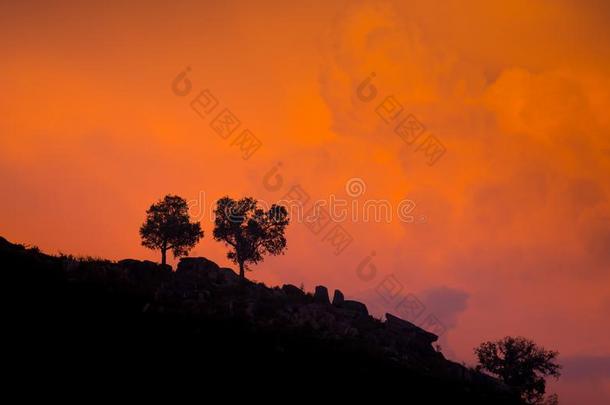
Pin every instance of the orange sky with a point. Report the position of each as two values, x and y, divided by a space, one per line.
517 232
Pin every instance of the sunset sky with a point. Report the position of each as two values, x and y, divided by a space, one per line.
512 235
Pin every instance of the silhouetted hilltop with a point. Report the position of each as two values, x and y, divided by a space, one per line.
138 317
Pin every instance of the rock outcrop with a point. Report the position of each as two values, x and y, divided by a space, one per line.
395 324
338 298
356 307
204 310
321 295
293 291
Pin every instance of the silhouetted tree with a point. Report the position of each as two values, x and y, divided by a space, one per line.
168 227
250 231
521 364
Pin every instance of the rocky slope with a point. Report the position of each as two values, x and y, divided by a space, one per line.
139 317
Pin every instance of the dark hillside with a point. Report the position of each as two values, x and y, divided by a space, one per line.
92 319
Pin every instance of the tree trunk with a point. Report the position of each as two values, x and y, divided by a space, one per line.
242 274
163 256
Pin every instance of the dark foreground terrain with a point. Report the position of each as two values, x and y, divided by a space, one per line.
100 323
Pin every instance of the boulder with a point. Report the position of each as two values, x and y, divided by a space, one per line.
138 264
196 264
321 295
355 306
229 272
128 262
458 371
338 298
142 274
292 290
197 271
140 268
396 324
227 276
